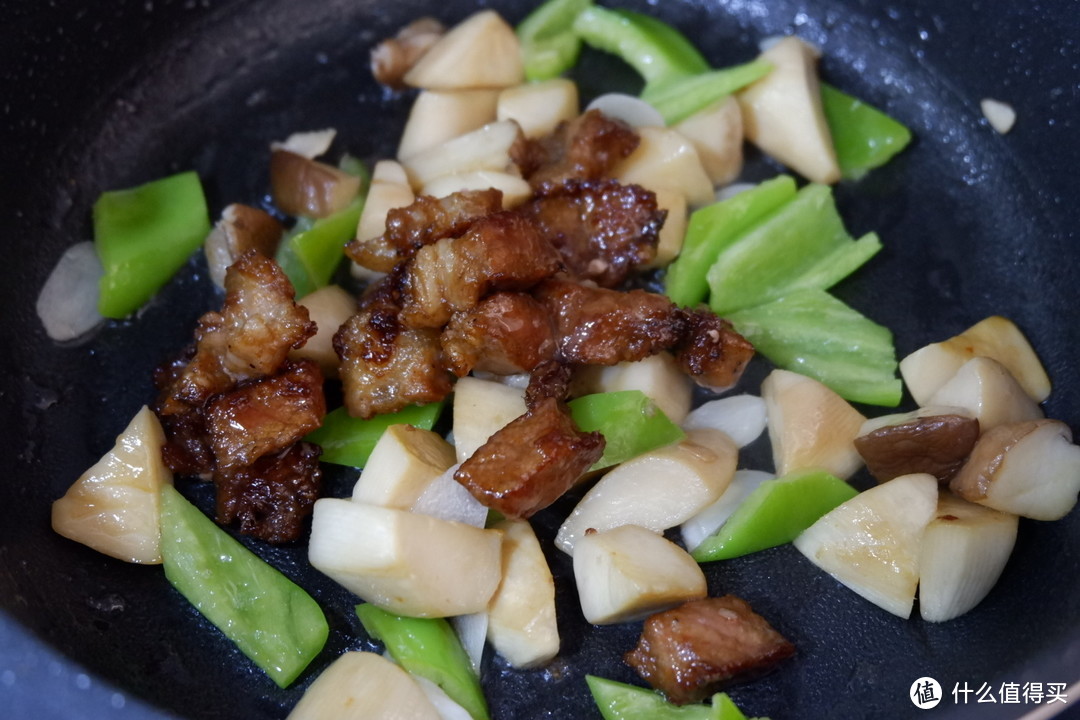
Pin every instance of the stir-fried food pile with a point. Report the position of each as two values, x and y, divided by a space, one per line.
501 263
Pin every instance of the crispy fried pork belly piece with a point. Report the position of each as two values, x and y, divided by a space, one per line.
596 326
425 221
711 352
392 58
585 148
502 251
187 447
265 416
199 375
505 333
548 380
602 229
531 462
260 319
693 650
271 498
250 338
386 366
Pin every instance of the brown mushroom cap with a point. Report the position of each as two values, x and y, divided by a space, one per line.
936 444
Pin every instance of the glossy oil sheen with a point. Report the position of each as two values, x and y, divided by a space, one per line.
98 96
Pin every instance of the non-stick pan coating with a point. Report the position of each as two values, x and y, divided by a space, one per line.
106 95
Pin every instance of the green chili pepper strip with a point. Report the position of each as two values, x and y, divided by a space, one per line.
679 98
715 227
630 422
273 621
429 648
549 45
346 440
143 235
310 257
775 513
814 333
864 137
655 49
619 701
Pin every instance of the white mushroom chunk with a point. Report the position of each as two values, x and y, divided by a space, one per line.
628 573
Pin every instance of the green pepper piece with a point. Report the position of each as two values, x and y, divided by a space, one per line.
680 97
775 513
653 48
813 333
549 45
715 227
782 253
273 621
311 253
619 701
864 137
428 648
143 235
346 440
630 422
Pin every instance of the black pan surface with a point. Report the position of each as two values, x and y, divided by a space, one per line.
101 96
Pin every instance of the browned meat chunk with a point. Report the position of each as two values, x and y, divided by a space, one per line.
265 416
385 366
693 650
531 462
423 222
187 447
603 230
595 326
272 497
190 382
503 251
711 352
261 321
585 148
548 380
505 333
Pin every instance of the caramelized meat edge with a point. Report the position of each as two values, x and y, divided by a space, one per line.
691 651
531 462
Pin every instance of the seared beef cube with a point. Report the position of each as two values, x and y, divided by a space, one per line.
595 326
691 651
602 229
711 352
271 497
531 462
505 333
386 367
503 251
585 148
265 416
423 222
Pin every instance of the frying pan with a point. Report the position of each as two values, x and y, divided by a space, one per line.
107 95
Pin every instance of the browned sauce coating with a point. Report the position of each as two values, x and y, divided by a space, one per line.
585 148
693 650
421 223
531 462
602 230
270 498
595 326
505 333
265 416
